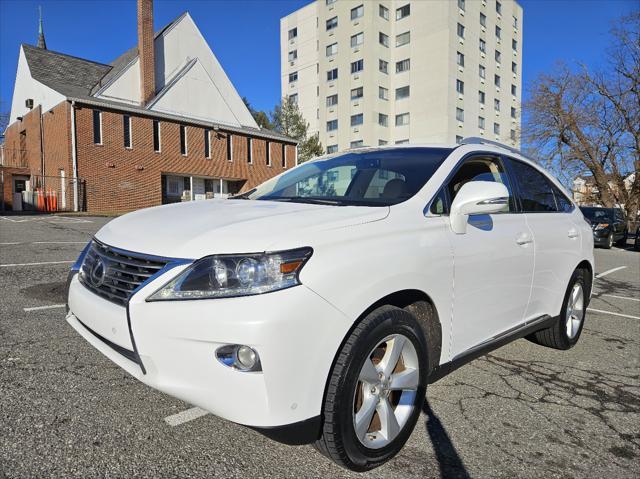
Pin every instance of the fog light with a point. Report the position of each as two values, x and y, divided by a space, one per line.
240 357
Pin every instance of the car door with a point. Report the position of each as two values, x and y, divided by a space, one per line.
493 263
619 224
556 237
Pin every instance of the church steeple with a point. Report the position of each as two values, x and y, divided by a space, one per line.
41 41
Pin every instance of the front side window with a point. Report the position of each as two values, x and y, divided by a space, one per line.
536 192
372 178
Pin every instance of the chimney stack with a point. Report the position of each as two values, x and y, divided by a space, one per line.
146 51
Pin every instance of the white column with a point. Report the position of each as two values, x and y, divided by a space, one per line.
191 187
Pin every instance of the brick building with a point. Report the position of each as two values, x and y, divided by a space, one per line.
160 124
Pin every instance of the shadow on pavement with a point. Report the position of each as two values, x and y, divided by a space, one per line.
450 463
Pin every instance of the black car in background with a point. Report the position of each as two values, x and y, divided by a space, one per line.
608 224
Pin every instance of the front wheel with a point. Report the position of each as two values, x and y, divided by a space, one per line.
609 242
375 390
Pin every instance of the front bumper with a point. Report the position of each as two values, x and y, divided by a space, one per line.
295 331
600 238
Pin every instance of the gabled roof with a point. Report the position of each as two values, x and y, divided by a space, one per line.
65 74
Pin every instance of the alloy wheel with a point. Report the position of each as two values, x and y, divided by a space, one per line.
575 311
385 393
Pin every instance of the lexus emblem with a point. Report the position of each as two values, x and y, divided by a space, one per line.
98 273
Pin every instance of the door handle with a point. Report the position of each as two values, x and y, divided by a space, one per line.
573 233
523 239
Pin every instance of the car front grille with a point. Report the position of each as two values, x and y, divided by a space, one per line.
114 274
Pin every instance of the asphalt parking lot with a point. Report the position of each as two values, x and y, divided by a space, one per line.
521 411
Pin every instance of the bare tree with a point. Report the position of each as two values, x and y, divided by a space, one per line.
588 122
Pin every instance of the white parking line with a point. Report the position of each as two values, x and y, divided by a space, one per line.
44 242
615 296
185 416
609 271
35 264
6 244
40 308
612 313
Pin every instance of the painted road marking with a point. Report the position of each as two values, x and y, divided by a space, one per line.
63 219
612 313
35 264
609 271
615 296
44 242
7 244
185 416
40 308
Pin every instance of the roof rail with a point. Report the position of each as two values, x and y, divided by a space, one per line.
476 140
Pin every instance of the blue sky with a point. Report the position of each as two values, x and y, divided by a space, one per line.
244 34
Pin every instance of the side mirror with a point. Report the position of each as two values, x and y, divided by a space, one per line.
477 198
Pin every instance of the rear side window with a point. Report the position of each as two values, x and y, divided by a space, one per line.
536 192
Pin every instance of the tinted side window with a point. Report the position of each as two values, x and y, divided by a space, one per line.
564 205
536 193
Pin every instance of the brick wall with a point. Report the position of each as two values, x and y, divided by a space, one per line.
24 150
118 179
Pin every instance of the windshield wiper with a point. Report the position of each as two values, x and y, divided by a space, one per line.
305 199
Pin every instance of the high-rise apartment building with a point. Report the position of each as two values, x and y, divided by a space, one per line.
367 72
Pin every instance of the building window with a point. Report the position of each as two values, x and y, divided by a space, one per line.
460 59
498 32
496 80
483 46
514 67
481 97
293 76
513 112
514 45
496 128
402 12
498 56
459 114
496 104
514 90
383 66
126 126
207 143
498 8
402 142
357 66
512 135
229 148
383 39
332 100
332 125
329 2
459 139
293 33
460 30
357 40
332 23
402 92
332 49
402 119
403 39
357 119
515 22
383 93
183 140
383 120
460 86
293 98
357 12
461 5
483 19
332 149
97 127
249 150
357 93
382 142
482 71
481 123
332 74
156 136
383 12
356 144
293 55
403 66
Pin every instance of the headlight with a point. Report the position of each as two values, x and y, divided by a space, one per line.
602 226
224 276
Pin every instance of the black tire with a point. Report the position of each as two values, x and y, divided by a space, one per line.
622 242
609 242
556 336
338 440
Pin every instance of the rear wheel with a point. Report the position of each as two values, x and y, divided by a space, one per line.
375 390
566 331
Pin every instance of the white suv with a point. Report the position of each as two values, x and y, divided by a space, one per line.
318 306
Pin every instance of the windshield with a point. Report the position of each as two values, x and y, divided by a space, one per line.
368 178
597 215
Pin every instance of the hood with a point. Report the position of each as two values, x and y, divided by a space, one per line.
200 228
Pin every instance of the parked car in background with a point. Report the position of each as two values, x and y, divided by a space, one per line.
609 225
636 243
318 306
